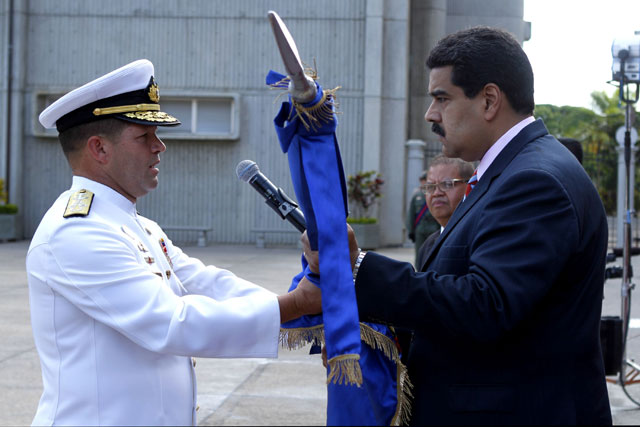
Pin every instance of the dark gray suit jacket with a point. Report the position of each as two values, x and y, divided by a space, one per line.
426 248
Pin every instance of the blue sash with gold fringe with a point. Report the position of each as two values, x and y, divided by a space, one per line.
367 384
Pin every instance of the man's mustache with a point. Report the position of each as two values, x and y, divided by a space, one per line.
437 129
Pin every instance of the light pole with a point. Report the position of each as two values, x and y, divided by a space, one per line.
626 71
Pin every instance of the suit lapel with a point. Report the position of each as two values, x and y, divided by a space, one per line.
526 135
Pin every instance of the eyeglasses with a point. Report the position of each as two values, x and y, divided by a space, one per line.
444 186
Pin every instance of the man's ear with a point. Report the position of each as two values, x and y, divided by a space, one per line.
99 148
493 99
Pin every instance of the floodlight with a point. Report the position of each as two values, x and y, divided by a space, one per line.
626 59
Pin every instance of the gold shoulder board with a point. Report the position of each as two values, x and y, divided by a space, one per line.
79 204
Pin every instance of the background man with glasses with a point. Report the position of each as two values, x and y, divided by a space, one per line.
420 223
444 188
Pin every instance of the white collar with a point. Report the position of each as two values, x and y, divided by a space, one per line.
499 145
104 193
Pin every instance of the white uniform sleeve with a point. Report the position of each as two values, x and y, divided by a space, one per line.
99 271
209 280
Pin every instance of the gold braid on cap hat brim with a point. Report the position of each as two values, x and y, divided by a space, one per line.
126 109
151 116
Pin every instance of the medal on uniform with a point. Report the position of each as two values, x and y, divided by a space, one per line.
163 245
141 247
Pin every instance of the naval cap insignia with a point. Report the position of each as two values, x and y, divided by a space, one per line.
154 92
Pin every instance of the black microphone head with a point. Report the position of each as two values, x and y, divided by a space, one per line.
246 170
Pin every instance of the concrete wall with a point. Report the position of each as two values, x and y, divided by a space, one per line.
221 46
373 49
4 42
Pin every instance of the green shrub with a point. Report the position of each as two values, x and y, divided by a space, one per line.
365 220
8 209
363 190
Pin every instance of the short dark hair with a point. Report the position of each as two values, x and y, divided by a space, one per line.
465 169
482 55
574 146
73 138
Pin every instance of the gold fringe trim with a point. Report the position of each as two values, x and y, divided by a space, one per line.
404 396
379 341
322 112
298 337
345 369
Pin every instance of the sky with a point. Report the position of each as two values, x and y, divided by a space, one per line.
570 46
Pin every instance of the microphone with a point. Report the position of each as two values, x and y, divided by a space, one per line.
248 171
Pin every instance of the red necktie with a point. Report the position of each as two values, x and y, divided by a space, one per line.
471 183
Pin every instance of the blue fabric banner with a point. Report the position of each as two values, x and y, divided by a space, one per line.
378 389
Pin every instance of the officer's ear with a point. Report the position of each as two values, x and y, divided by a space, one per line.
99 148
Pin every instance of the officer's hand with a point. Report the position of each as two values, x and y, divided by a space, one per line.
309 297
305 299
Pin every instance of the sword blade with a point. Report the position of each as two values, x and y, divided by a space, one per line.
301 87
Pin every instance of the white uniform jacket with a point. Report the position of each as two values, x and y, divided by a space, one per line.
117 311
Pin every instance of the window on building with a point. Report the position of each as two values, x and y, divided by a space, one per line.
206 116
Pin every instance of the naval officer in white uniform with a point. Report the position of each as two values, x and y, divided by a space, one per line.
117 310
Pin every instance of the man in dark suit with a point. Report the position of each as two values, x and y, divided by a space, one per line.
574 146
506 309
419 222
443 187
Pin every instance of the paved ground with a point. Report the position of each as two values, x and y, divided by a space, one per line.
289 390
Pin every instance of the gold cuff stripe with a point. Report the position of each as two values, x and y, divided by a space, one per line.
126 109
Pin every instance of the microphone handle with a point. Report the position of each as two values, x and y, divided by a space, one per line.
277 200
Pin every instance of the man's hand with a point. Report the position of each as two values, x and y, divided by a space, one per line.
305 299
312 256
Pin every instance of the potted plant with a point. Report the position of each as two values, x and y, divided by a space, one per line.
9 218
363 191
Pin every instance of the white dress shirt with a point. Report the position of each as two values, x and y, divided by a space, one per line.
117 311
499 145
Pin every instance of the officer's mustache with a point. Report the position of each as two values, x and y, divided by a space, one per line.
437 129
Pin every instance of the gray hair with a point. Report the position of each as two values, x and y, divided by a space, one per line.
465 169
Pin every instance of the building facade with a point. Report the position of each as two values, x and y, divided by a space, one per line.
211 59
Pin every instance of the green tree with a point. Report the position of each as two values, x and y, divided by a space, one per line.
595 129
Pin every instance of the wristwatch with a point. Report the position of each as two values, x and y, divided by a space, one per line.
356 267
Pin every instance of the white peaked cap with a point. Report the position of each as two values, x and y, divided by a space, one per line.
128 93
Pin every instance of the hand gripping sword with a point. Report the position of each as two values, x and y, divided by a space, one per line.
301 87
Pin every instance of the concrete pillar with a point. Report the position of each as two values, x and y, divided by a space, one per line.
385 109
506 14
427 25
4 85
374 29
17 113
415 166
